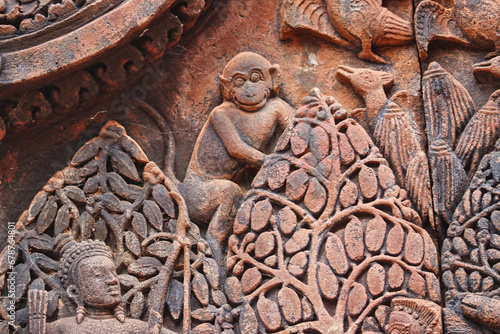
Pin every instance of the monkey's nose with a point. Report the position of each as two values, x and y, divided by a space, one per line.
250 93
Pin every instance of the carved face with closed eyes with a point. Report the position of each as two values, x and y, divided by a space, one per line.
249 80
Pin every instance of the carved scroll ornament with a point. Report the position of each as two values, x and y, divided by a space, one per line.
51 64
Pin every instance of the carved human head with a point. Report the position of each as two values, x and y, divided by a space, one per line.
249 80
88 273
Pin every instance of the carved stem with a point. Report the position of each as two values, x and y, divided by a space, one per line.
316 326
358 270
287 279
186 317
306 215
481 214
333 194
374 303
156 312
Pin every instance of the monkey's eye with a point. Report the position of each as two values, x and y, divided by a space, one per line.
255 77
239 82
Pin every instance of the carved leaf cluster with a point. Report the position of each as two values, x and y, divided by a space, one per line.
326 228
111 192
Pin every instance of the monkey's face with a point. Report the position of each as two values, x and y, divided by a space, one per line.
251 89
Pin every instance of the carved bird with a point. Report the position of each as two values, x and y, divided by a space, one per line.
394 133
368 23
472 23
353 24
480 134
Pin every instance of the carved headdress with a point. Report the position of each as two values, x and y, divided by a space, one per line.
73 252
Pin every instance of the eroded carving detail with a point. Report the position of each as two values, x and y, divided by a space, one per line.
411 316
103 75
25 16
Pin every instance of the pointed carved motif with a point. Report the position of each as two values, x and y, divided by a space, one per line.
458 136
113 201
327 242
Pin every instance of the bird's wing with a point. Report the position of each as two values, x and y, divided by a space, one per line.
309 17
435 22
480 135
448 105
418 185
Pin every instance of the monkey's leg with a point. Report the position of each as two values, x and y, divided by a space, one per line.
228 197
367 52
213 203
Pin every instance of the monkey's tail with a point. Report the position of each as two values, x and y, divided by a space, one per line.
168 136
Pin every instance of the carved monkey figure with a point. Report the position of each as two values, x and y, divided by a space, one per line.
235 135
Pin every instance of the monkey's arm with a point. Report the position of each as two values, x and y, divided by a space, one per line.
236 147
285 112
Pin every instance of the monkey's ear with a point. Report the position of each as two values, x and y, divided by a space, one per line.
224 87
274 70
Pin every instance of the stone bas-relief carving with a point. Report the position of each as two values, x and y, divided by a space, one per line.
394 131
52 81
458 136
236 134
325 241
380 219
351 24
469 23
157 251
88 273
471 254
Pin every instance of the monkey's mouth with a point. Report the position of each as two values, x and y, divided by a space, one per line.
250 105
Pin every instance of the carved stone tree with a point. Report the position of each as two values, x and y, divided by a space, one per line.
471 254
326 242
111 192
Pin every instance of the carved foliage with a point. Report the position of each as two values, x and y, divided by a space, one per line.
458 136
394 133
325 239
471 251
113 193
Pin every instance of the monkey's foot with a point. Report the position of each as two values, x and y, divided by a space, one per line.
369 55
